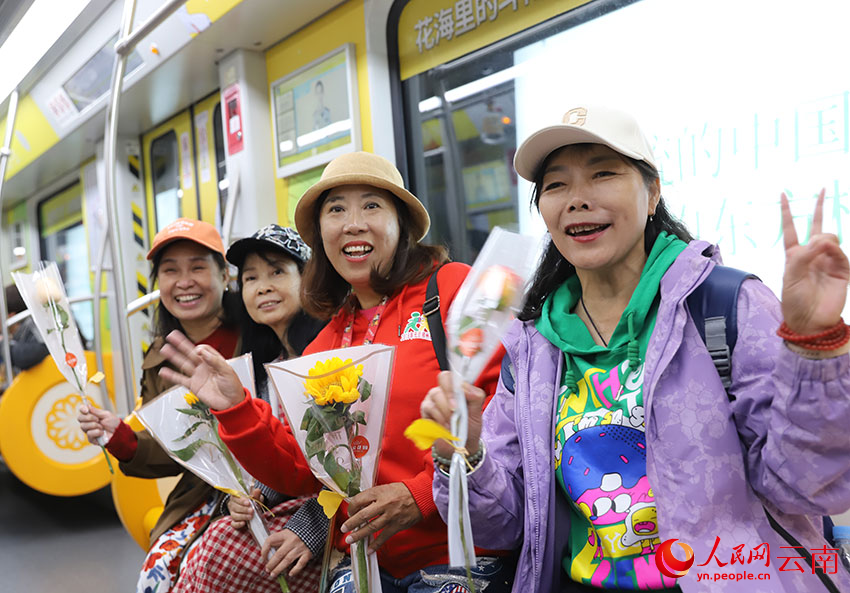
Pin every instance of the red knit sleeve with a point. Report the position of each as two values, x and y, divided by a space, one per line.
123 443
420 487
266 447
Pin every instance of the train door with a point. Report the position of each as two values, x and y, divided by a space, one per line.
185 175
63 239
170 176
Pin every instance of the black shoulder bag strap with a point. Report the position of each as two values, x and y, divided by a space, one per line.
431 310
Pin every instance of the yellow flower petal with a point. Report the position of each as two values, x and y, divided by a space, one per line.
231 492
191 398
424 432
330 502
348 397
334 393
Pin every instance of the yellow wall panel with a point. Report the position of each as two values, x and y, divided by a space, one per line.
214 9
33 136
345 24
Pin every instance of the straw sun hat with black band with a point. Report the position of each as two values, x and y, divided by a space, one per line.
359 168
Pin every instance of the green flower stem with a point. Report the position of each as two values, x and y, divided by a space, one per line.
54 309
463 542
225 452
362 568
284 586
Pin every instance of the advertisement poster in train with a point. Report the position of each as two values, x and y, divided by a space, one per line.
233 119
316 113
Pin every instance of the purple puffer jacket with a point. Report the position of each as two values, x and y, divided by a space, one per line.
715 466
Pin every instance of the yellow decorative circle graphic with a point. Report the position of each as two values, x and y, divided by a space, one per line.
62 426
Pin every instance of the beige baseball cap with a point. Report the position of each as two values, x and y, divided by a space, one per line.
593 124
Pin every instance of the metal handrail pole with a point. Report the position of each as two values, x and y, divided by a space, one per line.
143 302
98 274
17 318
230 209
5 153
110 140
128 42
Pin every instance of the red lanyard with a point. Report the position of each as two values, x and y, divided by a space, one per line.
347 333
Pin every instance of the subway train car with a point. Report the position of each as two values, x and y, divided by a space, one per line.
229 109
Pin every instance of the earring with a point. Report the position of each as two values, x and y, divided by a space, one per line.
651 216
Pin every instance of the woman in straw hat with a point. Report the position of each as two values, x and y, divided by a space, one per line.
369 274
613 436
189 269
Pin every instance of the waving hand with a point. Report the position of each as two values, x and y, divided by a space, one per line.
203 371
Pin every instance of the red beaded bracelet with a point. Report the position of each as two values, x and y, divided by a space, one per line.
830 339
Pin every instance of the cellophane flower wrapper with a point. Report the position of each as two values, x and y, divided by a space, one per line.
188 431
485 305
335 403
44 295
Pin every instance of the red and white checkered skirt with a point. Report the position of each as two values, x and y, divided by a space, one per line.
228 560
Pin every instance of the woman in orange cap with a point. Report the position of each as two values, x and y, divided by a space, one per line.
189 268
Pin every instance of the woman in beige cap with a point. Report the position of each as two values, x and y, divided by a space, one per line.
369 274
618 432
190 272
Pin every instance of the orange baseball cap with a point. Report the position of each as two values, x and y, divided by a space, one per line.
202 233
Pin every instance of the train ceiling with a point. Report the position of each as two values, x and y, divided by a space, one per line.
175 84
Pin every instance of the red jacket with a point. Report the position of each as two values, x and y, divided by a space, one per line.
270 453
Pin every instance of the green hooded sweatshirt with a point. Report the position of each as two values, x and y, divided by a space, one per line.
600 455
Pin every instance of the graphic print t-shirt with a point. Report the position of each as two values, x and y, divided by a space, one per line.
600 444
600 464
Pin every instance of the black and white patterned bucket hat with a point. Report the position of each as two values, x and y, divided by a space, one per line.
270 237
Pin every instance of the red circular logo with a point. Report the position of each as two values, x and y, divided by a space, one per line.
70 360
671 566
359 446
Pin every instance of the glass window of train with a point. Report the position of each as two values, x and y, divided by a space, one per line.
220 160
726 141
165 177
462 135
92 80
63 240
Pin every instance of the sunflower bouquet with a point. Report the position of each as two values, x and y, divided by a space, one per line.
478 318
45 298
336 403
187 430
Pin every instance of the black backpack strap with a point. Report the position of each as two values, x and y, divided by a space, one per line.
431 310
714 308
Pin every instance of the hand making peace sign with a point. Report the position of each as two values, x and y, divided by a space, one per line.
814 288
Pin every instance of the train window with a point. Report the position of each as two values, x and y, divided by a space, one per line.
165 175
18 244
63 240
91 82
737 112
220 160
